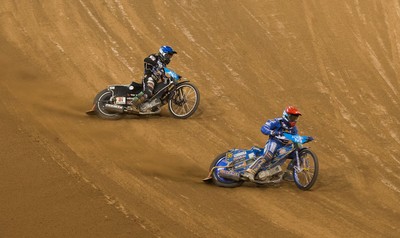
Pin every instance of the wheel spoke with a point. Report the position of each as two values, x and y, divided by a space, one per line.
309 170
187 109
306 178
309 175
185 100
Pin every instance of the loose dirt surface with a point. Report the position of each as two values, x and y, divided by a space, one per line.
66 174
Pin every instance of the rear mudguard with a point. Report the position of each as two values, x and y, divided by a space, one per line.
92 111
117 90
125 89
209 177
182 82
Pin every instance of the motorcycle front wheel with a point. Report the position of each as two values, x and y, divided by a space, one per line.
305 175
185 101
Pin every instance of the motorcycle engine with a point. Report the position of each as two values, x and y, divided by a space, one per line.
147 105
263 175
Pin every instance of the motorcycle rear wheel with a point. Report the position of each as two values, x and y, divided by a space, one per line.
220 160
101 99
305 179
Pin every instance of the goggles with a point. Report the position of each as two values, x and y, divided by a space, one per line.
168 56
292 117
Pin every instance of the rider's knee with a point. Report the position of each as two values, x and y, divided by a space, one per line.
149 87
148 93
268 155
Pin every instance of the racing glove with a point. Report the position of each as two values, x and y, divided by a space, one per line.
276 133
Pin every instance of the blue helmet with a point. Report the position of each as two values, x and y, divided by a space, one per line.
166 53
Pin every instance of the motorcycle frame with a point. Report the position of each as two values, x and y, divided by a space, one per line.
293 148
164 94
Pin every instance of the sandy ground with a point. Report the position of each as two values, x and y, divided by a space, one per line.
65 174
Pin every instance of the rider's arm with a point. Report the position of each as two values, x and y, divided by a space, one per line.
269 127
150 63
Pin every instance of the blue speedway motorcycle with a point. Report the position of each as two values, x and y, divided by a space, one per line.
227 168
115 101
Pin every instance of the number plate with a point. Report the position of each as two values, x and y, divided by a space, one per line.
120 100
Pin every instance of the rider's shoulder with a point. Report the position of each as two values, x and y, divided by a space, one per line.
152 57
275 120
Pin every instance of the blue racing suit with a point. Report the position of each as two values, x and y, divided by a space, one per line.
272 128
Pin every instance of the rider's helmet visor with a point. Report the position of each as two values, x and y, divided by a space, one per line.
169 55
293 117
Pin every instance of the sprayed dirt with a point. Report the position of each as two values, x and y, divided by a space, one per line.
66 174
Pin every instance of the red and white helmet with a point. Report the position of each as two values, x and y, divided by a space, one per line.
290 115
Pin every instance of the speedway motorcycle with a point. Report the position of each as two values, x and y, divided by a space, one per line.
226 170
115 101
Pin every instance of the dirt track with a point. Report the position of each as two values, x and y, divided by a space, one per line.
66 174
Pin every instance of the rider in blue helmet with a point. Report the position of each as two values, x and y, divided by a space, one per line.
153 74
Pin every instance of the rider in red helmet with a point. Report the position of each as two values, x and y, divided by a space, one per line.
274 129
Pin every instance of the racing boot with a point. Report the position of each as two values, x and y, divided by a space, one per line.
253 169
138 99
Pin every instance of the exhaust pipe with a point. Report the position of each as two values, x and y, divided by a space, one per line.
114 108
229 175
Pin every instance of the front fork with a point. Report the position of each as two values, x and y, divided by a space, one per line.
180 96
297 166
